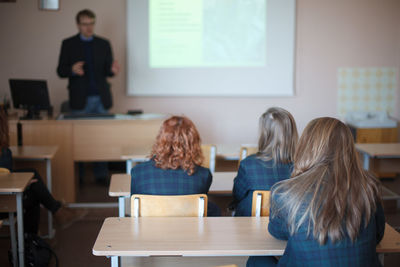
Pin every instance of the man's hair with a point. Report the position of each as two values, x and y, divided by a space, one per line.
85 13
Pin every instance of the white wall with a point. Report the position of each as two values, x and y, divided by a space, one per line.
330 34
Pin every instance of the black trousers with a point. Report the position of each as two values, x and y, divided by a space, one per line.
36 194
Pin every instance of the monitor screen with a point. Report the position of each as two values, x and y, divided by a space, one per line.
31 95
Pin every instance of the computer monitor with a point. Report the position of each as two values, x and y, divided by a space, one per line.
31 95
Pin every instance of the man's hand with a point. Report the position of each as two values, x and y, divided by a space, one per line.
115 67
77 68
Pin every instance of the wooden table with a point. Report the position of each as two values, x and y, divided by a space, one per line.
120 186
384 158
41 153
195 237
85 141
15 184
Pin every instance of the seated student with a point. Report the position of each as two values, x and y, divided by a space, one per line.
36 193
174 167
330 210
272 163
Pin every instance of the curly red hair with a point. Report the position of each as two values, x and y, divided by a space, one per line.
178 145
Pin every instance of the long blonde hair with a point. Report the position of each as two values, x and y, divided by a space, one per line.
278 136
329 189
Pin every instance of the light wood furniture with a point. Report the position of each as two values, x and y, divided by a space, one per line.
382 158
375 135
247 151
191 237
15 184
39 153
210 155
85 140
120 186
171 206
260 204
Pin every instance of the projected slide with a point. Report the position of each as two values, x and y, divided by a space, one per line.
210 47
207 33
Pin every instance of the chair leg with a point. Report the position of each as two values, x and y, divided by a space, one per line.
13 239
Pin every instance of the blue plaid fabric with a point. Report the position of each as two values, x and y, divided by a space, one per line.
6 158
304 250
255 174
150 180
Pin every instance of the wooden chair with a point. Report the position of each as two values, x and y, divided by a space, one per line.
8 204
260 206
169 206
210 155
246 151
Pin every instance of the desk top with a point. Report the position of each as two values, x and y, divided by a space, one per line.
14 182
33 152
186 236
120 185
136 153
192 236
388 150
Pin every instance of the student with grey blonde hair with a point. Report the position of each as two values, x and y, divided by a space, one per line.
273 161
330 210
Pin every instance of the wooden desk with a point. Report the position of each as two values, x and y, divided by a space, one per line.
120 186
382 158
15 184
46 154
194 237
85 140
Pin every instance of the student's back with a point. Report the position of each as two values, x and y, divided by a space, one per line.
271 164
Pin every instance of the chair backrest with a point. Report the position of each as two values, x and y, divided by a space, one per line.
260 204
4 170
169 206
210 155
246 151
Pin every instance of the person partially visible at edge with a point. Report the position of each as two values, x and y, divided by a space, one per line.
36 193
272 163
175 162
86 60
330 211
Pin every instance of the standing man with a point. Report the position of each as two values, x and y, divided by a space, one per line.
86 60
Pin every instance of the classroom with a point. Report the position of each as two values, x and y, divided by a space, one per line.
334 49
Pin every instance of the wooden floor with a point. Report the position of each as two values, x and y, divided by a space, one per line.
73 245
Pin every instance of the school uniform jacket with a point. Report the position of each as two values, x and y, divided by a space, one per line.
256 174
148 179
6 159
304 250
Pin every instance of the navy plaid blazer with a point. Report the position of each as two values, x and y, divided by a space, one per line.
6 159
304 250
148 179
256 174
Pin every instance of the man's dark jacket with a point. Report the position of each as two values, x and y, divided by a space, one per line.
72 51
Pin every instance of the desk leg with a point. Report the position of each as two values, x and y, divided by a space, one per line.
20 220
49 186
121 206
128 166
381 258
114 261
366 161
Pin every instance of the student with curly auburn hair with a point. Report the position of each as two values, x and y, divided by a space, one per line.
272 163
174 165
330 210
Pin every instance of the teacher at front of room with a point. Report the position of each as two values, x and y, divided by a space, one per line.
86 60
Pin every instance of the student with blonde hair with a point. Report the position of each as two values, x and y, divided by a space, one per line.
273 161
330 210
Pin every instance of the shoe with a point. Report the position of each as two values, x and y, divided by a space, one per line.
65 217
